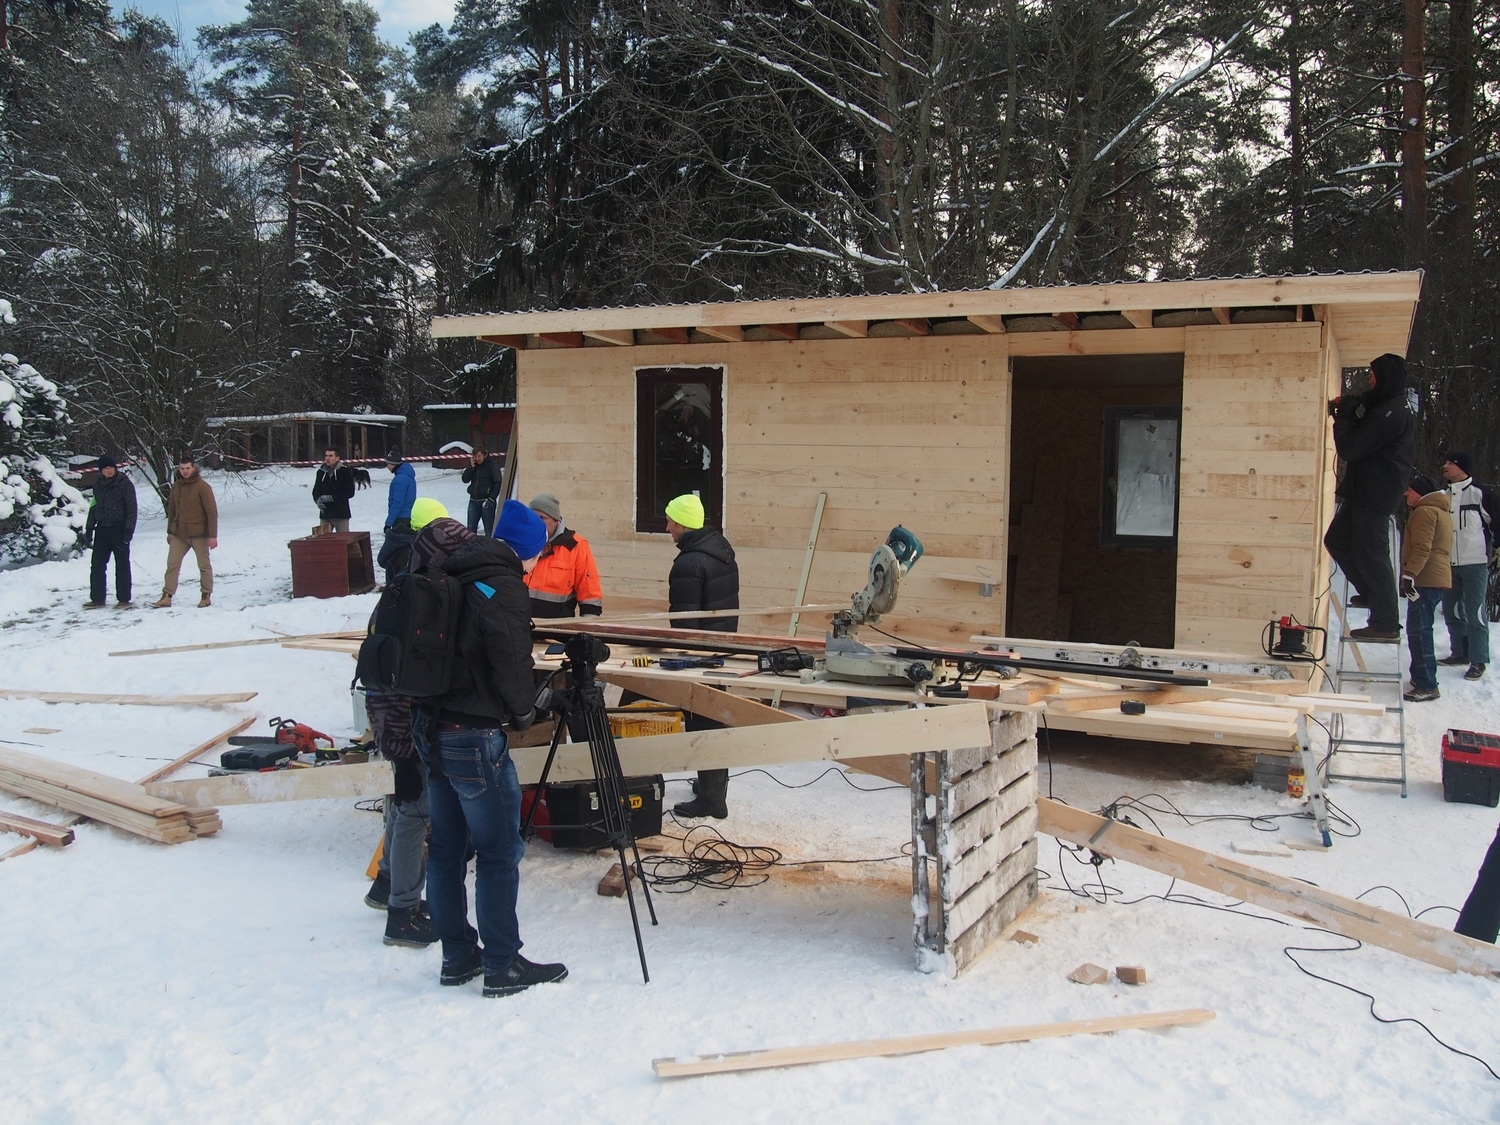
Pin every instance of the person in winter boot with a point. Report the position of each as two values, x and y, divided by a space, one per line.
398 530
472 791
109 529
192 525
332 490
403 860
565 580
1480 917
1424 576
1375 434
483 478
704 577
1475 510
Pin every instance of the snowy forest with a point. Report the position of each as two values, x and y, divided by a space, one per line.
267 216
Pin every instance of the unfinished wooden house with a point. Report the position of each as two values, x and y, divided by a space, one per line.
1147 462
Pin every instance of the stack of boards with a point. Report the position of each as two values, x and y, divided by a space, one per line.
106 799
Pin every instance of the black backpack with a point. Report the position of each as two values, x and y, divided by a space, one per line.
412 642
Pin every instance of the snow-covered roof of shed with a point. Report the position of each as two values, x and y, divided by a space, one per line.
304 416
1368 313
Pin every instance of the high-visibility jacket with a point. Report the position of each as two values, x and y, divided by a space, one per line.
565 580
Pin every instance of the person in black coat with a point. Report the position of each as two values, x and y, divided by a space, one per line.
483 478
332 490
704 577
109 530
1375 434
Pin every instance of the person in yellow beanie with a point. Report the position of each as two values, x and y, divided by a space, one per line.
704 577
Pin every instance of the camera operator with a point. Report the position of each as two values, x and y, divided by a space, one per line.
1375 434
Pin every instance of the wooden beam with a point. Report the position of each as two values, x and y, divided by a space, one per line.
372 779
785 331
58 835
619 337
237 644
672 334
562 339
916 325
729 333
855 329
1281 893
917 1044
517 341
1223 315
1068 319
178 763
700 699
1112 699
131 700
989 322
1139 318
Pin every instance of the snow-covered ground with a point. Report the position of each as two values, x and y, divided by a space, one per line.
241 977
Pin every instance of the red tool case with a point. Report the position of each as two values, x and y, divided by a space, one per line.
1471 767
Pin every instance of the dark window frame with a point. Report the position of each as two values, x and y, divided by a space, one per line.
1109 484
649 517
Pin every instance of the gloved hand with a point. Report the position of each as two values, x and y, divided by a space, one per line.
408 773
549 700
518 723
1408 587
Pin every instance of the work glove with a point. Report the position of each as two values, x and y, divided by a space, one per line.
408 773
518 723
548 699
1408 587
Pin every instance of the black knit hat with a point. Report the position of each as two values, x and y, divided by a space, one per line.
107 462
1462 459
1423 485
393 456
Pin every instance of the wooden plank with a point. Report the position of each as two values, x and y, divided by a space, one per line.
561 339
618 337
854 329
178 763
87 783
57 835
916 1044
166 829
699 698
372 779
729 333
1285 895
968 871
130 700
1139 318
989 322
232 644
1112 699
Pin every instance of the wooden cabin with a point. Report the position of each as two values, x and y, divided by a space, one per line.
248 441
1144 461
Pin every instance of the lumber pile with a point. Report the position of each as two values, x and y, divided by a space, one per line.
106 799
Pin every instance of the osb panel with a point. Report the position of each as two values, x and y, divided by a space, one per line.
908 431
1238 388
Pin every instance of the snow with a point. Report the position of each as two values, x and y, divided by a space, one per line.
241 977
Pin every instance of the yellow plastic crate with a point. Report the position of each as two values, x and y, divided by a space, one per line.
652 722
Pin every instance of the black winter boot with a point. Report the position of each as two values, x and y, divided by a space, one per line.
712 789
409 926
464 969
520 975
379 894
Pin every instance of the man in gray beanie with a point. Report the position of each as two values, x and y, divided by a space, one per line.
565 580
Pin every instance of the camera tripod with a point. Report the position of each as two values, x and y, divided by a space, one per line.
588 722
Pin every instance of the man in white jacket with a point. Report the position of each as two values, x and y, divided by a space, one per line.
1463 605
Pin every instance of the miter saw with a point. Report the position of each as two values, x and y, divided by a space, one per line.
846 658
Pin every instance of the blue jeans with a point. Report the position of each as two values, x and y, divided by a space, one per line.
1464 611
1419 618
477 798
485 510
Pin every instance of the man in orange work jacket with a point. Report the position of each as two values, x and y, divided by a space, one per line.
565 580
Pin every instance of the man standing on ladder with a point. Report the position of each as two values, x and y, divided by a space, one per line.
1375 434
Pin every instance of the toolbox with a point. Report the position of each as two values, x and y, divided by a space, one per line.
262 757
578 823
1471 767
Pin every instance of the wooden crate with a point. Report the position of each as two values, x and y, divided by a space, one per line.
332 565
974 862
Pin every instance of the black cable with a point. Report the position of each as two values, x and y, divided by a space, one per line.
838 771
718 862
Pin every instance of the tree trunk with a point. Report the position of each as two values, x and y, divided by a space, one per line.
1414 131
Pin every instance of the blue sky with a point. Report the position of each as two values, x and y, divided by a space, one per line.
398 18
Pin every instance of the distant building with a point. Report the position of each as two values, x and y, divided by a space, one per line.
282 439
460 421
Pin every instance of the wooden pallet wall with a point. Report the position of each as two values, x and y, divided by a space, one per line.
1254 450
895 430
974 863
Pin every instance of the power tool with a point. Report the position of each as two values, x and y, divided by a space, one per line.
290 739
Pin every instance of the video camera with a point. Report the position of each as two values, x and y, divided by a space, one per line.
1344 402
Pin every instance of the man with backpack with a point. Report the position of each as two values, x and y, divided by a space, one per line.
483 639
1474 512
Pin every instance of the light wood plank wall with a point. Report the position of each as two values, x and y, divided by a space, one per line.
910 431
1255 469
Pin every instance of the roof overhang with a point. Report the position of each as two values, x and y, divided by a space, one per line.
1367 313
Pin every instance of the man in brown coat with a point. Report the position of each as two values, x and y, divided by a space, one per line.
192 524
1425 575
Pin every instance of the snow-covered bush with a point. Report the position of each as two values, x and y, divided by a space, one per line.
40 513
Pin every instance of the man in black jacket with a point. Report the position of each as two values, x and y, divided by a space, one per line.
332 490
1375 434
109 530
484 486
704 577
472 791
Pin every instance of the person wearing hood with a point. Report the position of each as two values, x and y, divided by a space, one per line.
565 580
704 577
474 797
1475 510
192 525
1375 434
399 531
1425 575
109 529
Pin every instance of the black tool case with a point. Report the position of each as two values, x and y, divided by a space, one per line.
578 822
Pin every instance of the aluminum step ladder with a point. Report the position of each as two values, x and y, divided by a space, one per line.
1360 664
